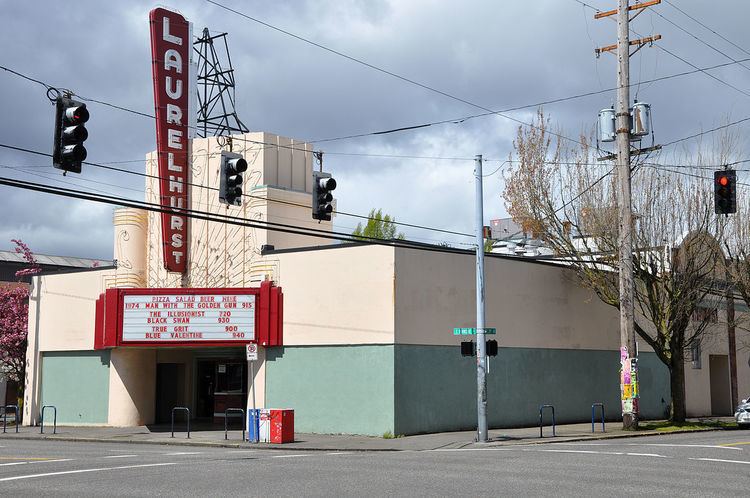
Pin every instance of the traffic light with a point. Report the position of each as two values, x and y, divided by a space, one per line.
230 178
491 349
68 151
323 184
467 348
725 191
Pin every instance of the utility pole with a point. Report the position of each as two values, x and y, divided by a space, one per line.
622 120
481 343
628 349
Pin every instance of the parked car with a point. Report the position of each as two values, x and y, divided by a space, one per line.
742 414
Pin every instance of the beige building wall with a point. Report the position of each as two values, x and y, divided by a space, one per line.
61 318
132 387
698 380
531 305
341 295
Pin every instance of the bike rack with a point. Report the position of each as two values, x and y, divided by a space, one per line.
188 419
226 420
5 416
593 407
41 419
541 410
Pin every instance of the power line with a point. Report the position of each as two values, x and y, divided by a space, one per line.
702 70
250 196
385 71
697 38
708 28
457 120
214 217
696 135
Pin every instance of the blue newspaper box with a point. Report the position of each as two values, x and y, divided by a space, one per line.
253 425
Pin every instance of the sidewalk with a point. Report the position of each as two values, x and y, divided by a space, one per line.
333 442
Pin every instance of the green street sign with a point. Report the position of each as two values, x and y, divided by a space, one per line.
473 331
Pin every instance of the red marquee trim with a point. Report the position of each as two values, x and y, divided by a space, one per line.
268 316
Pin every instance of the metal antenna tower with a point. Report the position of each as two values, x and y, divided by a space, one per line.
216 112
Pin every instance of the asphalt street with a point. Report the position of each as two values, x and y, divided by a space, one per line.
700 464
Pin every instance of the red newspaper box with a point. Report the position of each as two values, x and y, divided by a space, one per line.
282 426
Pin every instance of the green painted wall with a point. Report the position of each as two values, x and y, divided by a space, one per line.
77 383
436 387
333 389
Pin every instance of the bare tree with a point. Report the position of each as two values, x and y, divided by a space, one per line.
568 198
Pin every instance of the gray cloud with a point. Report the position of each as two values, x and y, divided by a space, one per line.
495 54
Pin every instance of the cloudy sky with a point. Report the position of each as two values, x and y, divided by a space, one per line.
494 54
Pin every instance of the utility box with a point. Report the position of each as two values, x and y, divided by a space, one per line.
282 426
607 125
640 119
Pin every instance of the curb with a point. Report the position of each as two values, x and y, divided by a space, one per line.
263 446
186 442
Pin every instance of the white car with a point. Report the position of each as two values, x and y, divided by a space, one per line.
742 415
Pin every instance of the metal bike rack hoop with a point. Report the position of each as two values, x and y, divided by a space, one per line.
593 408
226 419
187 410
5 416
41 419
541 410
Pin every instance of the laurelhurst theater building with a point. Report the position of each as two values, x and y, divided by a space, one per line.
355 338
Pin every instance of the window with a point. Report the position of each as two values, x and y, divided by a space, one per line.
695 355
230 377
701 314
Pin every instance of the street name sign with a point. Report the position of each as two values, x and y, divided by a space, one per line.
473 331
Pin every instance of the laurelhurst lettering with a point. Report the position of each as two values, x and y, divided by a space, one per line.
170 51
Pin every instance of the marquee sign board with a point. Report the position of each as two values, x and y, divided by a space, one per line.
171 48
197 317
190 317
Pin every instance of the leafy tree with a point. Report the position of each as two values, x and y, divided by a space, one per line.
569 200
378 226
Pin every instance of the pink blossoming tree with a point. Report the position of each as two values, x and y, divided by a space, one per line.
14 310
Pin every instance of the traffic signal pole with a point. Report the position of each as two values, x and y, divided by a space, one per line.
481 343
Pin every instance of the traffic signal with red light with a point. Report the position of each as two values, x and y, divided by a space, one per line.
725 191
230 178
68 151
322 197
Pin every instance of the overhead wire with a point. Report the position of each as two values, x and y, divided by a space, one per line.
660 46
707 27
214 217
249 196
704 42
456 120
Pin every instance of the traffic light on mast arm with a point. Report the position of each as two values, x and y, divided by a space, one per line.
323 184
725 191
230 178
68 152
